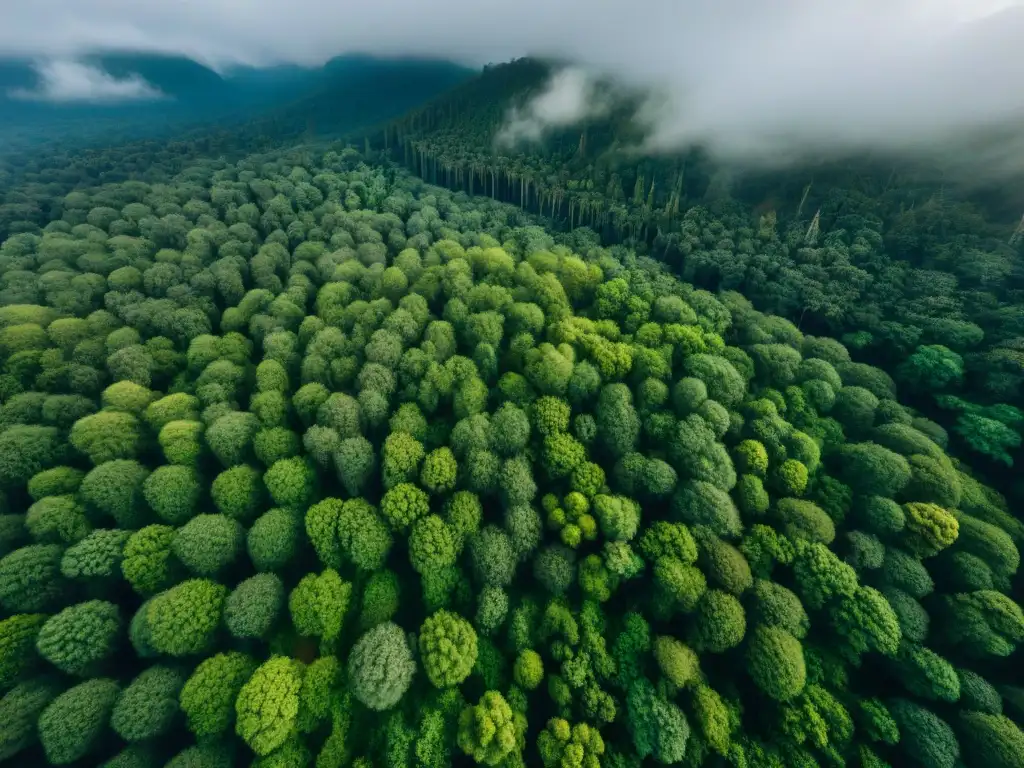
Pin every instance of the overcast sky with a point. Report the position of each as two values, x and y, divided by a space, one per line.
757 78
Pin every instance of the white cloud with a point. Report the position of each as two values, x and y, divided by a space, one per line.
66 81
570 96
758 81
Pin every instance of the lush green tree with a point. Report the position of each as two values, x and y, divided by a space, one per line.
991 739
207 544
380 667
658 727
148 706
448 648
432 545
148 563
79 638
272 540
676 661
104 436
173 492
115 488
489 732
267 706
560 744
30 578
253 606
184 619
775 662
20 708
318 605
208 696
924 737
71 726
719 622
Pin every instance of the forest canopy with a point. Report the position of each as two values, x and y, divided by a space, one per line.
307 461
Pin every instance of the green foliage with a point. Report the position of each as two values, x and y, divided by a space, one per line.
182 620
18 635
448 648
350 530
173 491
80 637
719 623
148 564
253 606
318 605
380 667
208 696
115 488
528 670
561 745
238 492
658 727
30 578
267 706
148 706
488 731
610 495
924 737
71 725
677 662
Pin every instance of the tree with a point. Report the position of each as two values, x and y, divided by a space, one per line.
104 436
20 709
71 725
173 491
528 670
272 539
238 492
380 667
147 563
30 579
252 608
115 488
488 731
677 662
492 556
618 424
719 623
439 471
18 635
79 638
267 706
183 620
923 736
929 528
291 482
992 739
355 462
148 707
448 648
350 530
658 727
318 605
561 744
432 545
775 662
207 544
208 696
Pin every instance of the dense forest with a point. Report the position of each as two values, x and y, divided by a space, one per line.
410 450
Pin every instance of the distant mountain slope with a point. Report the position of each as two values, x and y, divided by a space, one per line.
347 93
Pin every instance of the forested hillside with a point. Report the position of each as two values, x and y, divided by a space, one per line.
534 459
886 257
47 150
